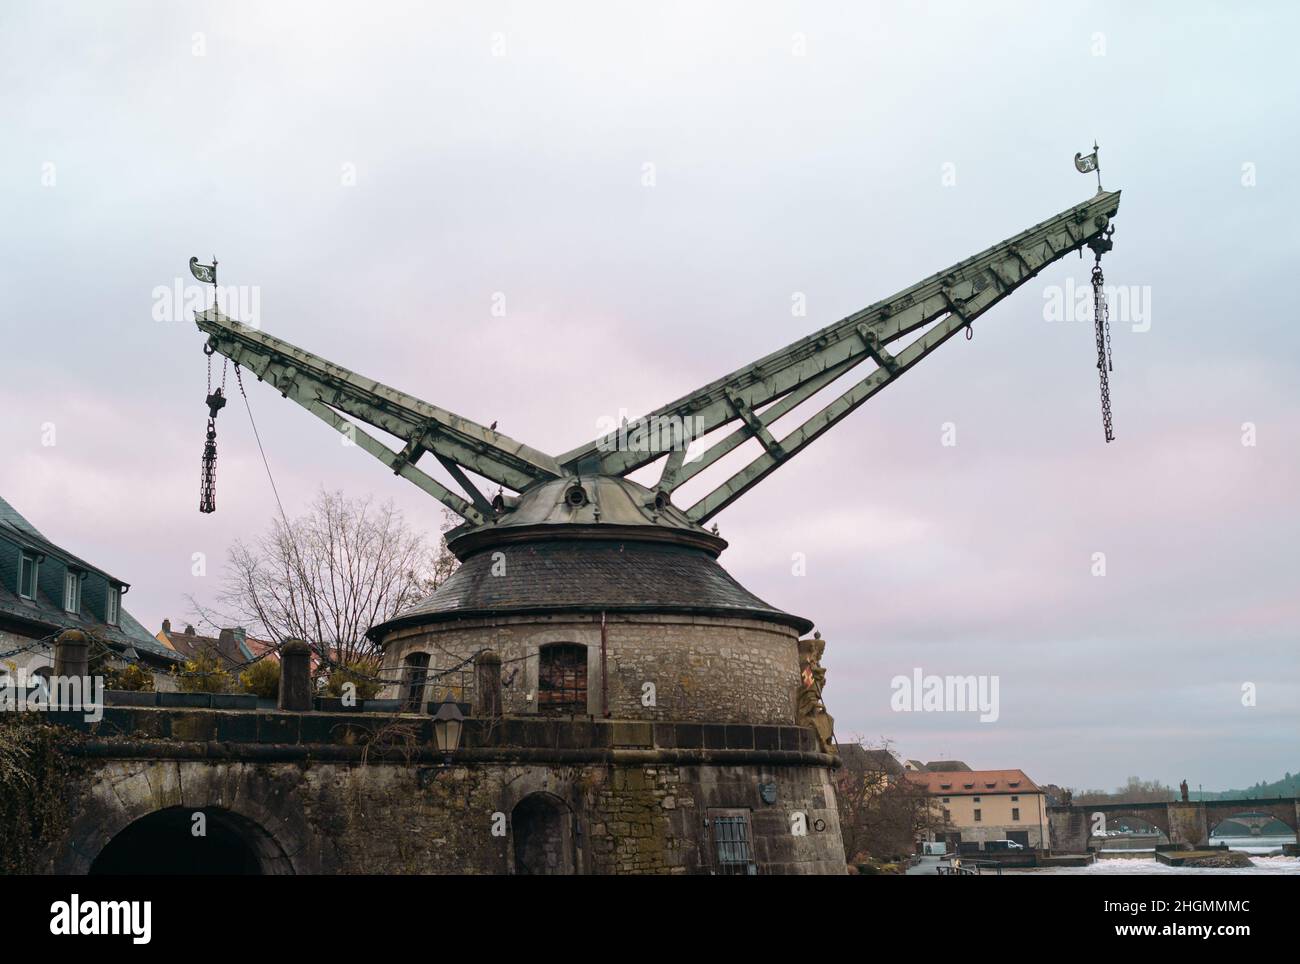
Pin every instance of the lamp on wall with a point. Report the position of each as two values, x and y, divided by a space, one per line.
448 724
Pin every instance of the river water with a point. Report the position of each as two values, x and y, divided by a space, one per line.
1263 853
1261 850
1149 865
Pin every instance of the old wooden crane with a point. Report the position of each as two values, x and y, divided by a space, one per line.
750 400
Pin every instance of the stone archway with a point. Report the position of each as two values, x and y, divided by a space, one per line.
1254 820
1131 831
244 805
541 826
164 842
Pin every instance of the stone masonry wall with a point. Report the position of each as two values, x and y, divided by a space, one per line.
701 668
391 817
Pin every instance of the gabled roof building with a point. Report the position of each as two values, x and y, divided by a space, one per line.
45 589
233 647
982 808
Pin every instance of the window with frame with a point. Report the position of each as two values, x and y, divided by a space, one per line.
1015 813
27 575
72 591
977 816
562 678
113 605
733 855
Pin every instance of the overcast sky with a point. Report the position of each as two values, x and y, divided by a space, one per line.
379 172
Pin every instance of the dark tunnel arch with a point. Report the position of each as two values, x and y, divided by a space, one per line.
163 843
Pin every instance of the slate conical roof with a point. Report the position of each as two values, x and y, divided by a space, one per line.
611 548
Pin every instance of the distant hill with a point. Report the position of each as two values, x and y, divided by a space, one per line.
1285 787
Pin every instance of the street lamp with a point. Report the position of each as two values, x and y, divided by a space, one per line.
448 723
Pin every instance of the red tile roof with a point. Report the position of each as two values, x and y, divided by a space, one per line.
957 783
227 645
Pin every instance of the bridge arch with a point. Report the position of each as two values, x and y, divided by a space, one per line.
1156 817
1121 824
153 804
1219 812
166 842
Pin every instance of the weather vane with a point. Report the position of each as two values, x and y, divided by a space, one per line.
1083 164
207 273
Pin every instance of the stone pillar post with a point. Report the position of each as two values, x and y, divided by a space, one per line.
487 685
295 676
71 654
1187 825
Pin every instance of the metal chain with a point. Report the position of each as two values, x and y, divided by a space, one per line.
208 475
1101 320
1110 363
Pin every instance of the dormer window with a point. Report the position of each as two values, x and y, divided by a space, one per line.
27 576
113 605
72 591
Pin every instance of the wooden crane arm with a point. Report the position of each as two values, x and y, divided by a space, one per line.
326 390
950 300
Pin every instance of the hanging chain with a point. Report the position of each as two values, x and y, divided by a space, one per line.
1101 320
1110 364
215 402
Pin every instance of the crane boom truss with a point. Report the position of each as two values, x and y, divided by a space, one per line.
951 299
331 392
755 396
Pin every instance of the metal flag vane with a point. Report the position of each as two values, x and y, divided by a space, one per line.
1090 162
207 273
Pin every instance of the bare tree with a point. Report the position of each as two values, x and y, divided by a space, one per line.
1135 790
331 574
882 813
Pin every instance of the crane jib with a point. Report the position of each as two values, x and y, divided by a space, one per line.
750 399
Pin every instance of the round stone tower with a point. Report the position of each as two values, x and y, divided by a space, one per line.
591 620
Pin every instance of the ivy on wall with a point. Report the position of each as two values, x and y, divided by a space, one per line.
38 778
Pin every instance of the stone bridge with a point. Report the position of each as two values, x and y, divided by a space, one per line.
205 790
1185 823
